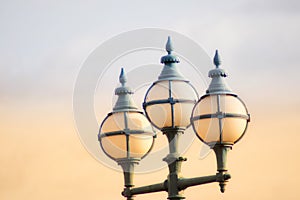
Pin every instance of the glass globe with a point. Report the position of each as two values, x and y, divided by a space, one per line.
220 118
169 103
126 135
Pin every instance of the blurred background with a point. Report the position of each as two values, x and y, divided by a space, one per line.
44 43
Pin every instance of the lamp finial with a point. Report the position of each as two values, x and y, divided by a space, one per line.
125 101
169 45
169 58
217 60
122 77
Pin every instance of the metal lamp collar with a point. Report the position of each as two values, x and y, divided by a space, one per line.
218 84
170 71
125 102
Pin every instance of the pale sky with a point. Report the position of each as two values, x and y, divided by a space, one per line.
43 45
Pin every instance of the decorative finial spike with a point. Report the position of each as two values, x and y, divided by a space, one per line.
125 101
222 186
217 60
169 45
122 77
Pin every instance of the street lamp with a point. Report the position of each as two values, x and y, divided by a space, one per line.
169 101
219 119
126 135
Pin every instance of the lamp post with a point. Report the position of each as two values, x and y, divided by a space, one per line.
219 119
126 135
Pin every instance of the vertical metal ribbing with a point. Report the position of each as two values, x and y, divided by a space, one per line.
172 104
220 118
127 134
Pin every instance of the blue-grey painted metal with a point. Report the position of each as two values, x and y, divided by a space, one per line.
170 71
174 184
218 84
125 102
183 183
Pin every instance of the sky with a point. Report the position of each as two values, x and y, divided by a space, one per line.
44 44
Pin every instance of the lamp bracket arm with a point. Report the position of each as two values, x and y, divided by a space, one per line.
128 192
184 183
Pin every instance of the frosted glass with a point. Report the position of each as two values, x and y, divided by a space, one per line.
139 143
208 129
113 123
159 91
160 114
115 146
183 90
183 114
232 127
228 104
208 105
135 121
179 90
